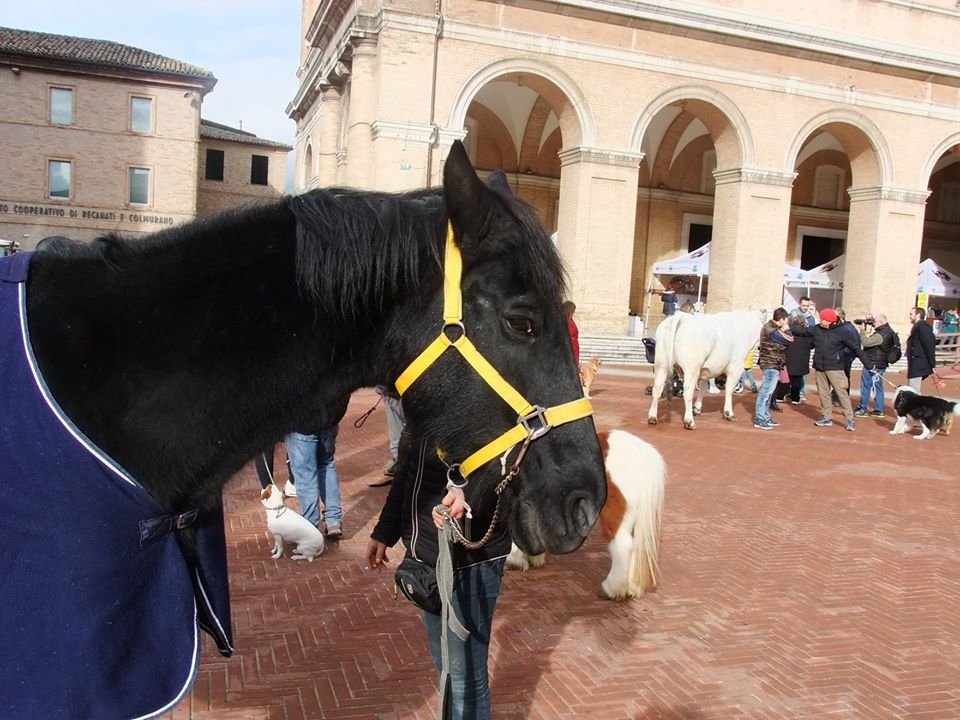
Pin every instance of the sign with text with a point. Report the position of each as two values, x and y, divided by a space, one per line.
17 210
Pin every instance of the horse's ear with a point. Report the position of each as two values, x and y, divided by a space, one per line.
497 180
466 196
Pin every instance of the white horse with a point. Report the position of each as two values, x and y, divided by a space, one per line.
701 347
630 519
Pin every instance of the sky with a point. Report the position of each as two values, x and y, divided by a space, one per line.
251 47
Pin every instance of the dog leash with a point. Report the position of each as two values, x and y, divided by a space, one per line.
358 423
938 383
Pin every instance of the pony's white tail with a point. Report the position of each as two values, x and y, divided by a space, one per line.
645 560
638 473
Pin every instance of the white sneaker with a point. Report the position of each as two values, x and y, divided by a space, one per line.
289 489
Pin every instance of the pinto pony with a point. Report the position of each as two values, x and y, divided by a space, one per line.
701 347
630 520
164 364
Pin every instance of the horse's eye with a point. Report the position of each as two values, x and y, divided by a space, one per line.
520 325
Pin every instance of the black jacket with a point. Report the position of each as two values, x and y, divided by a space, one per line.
419 485
921 351
831 346
798 352
878 354
850 329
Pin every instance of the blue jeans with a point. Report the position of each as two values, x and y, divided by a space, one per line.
871 380
474 599
747 378
315 474
770 377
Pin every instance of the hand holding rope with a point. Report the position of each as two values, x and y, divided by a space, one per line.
442 514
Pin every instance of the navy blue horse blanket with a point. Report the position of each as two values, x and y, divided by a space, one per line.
100 608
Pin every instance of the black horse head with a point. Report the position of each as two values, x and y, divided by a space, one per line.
512 290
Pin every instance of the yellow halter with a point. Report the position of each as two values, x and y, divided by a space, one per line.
533 421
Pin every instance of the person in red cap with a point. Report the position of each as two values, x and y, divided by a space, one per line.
830 345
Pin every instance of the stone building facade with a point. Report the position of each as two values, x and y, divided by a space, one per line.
99 137
781 132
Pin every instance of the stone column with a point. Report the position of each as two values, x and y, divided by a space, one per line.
329 131
361 114
883 249
751 219
595 229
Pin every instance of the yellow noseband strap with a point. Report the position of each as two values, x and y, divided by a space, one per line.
532 421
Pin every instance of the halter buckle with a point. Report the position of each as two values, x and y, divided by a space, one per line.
537 415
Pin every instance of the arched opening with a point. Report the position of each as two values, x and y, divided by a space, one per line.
685 136
515 123
941 229
833 156
309 172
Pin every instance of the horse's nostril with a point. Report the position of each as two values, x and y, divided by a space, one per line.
582 515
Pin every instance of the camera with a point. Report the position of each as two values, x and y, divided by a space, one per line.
864 321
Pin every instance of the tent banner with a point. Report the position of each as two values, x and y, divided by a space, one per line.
696 262
934 280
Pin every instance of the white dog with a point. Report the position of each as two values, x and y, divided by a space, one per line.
287 524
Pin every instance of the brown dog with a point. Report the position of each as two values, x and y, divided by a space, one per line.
588 372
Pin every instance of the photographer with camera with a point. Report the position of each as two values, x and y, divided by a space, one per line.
877 338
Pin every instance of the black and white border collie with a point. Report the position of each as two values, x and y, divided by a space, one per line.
934 414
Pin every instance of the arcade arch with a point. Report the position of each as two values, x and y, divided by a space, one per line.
516 122
941 230
688 137
842 162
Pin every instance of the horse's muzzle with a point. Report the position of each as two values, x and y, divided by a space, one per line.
538 528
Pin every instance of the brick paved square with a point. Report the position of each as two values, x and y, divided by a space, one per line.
807 572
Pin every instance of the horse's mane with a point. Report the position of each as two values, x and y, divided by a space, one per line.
357 252
184 254
374 246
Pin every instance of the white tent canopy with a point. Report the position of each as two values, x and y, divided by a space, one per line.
934 280
697 262
931 278
828 276
795 276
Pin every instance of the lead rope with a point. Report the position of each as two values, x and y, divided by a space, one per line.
448 618
448 534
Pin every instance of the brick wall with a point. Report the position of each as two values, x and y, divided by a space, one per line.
235 189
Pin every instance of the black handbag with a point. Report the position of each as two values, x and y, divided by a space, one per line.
418 583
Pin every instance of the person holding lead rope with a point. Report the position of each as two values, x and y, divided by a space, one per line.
412 513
